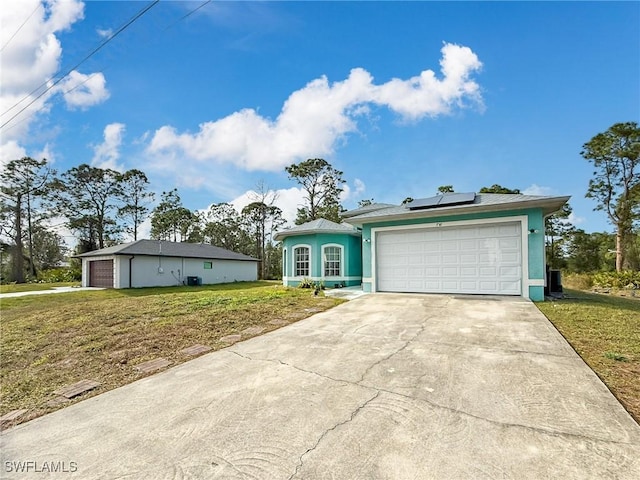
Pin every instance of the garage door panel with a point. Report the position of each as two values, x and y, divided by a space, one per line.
488 285
475 259
450 246
468 245
451 285
468 259
508 272
509 229
488 272
510 257
469 271
432 246
101 273
416 272
449 259
487 258
509 243
450 272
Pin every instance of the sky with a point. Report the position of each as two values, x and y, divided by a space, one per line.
217 98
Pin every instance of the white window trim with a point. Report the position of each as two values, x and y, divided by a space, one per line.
341 248
524 231
284 262
293 261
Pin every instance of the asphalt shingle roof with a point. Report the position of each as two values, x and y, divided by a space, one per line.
170 249
366 209
319 225
484 202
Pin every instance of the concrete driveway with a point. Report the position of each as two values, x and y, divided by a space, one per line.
382 387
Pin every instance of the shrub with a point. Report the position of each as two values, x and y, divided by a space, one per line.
306 283
61 274
578 281
624 279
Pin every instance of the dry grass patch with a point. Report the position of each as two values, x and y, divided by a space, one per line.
56 340
605 331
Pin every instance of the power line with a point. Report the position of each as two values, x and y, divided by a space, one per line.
191 12
93 52
20 27
15 124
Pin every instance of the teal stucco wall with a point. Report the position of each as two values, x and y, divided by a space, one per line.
533 285
351 259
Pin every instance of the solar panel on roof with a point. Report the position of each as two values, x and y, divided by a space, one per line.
447 199
425 203
457 198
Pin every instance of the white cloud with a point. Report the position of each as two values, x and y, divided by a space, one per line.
83 91
427 95
31 61
287 199
11 151
106 33
349 193
575 220
290 199
538 190
107 154
320 115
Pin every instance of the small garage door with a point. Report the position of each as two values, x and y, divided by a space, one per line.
101 273
482 259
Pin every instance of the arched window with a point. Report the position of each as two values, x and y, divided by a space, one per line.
332 260
301 258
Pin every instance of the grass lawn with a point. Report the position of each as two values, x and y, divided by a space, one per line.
51 341
605 331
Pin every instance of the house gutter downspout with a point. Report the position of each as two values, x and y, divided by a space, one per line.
131 270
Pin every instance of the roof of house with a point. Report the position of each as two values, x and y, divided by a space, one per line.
483 202
366 209
319 225
170 249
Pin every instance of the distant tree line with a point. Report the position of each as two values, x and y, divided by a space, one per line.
101 206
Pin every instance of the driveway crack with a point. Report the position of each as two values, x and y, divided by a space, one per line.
394 353
544 431
295 367
327 431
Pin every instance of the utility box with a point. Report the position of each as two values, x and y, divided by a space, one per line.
555 281
193 281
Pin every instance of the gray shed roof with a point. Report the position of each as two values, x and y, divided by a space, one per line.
170 249
484 202
320 225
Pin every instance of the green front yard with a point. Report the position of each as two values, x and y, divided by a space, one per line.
605 331
50 341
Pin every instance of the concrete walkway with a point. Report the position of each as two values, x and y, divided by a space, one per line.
48 292
381 387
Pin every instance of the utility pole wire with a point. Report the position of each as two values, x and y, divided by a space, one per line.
93 52
20 27
15 124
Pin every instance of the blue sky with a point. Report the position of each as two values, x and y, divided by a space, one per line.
220 101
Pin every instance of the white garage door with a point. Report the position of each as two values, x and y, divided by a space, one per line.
484 259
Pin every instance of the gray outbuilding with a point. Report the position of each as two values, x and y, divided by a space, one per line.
159 263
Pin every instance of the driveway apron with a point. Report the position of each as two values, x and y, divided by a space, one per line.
386 386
